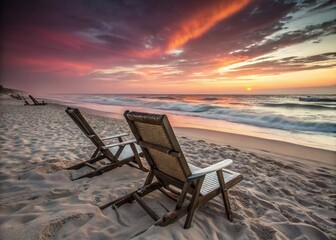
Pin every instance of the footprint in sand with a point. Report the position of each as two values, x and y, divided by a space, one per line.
264 232
320 184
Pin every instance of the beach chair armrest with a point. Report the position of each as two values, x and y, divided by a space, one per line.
213 168
119 144
115 136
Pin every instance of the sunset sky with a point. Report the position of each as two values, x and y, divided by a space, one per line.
169 46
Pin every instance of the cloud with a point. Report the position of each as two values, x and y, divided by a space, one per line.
311 32
191 39
202 20
324 5
288 64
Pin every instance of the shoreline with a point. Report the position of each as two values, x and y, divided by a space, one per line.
195 114
294 152
302 139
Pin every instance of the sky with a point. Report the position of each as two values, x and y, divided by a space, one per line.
169 46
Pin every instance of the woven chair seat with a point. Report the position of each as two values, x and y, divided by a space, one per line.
211 183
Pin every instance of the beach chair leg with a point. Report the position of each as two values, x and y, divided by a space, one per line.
193 203
145 207
140 192
224 195
137 158
116 156
112 203
182 196
95 154
149 178
172 217
130 197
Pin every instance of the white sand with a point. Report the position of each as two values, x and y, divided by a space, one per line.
288 191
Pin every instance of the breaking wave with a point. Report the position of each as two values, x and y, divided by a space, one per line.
301 106
251 118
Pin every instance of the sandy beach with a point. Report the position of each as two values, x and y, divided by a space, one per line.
288 191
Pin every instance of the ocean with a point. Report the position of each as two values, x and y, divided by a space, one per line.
304 120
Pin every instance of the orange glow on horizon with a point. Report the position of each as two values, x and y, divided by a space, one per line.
249 89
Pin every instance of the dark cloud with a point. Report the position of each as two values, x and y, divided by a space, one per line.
326 5
311 32
320 57
288 64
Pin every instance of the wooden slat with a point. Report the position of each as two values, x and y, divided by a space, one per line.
91 166
119 144
115 136
129 197
160 149
145 207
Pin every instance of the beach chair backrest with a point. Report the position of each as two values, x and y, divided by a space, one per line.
25 100
158 142
34 100
81 122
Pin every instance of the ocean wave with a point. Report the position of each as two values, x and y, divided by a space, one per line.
237 103
302 106
316 99
210 98
158 97
108 100
165 98
184 107
247 117
270 121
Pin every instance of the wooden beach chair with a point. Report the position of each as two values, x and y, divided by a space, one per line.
189 185
25 100
14 96
37 102
17 96
120 153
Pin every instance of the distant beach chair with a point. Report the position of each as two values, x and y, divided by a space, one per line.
14 96
25 100
123 152
17 96
37 102
176 178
